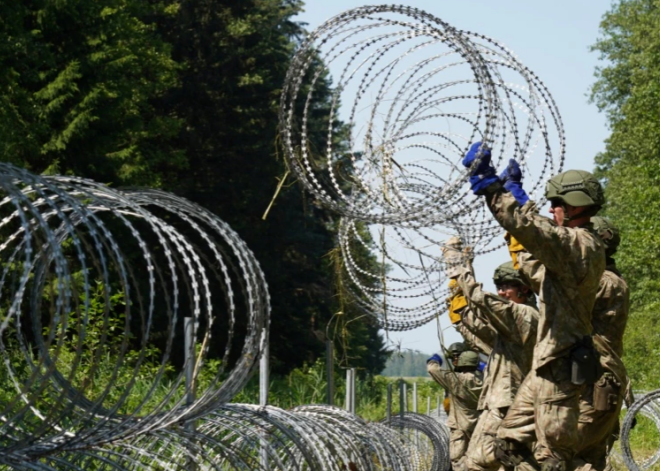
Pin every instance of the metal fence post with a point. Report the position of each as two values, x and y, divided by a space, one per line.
389 402
263 401
189 367
350 390
414 404
329 372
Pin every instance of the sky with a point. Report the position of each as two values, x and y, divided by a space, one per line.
553 39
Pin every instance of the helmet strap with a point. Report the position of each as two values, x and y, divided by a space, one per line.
566 217
587 212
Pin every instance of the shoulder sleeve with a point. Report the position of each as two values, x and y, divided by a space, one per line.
560 249
446 378
531 270
476 333
506 318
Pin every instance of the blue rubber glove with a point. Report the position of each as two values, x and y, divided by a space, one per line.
482 175
482 366
435 357
512 178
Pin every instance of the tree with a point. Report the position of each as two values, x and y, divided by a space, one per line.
235 56
182 95
81 79
627 89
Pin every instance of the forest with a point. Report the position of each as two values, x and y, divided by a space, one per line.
183 96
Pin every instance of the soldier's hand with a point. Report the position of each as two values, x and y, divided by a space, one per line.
437 358
512 177
452 252
482 172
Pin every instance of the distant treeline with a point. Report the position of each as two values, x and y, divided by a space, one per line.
406 363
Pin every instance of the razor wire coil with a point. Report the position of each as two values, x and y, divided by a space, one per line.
646 405
419 92
78 255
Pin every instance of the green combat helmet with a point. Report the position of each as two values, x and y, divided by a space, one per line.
457 348
505 273
608 232
575 187
468 359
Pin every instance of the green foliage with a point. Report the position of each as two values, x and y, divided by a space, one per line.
644 442
307 385
184 96
235 56
83 80
628 90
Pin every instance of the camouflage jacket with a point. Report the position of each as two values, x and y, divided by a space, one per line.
573 260
609 322
477 334
611 309
464 391
513 345
610 313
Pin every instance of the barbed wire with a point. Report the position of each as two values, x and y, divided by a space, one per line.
418 92
93 279
94 287
96 282
646 405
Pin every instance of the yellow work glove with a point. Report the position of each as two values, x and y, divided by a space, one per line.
456 302
515 248
446 404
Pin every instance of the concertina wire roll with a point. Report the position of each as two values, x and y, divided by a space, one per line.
419 92
92 279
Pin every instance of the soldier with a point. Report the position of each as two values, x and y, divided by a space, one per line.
464 385
513 315
574 260
480 336
600 404
455 350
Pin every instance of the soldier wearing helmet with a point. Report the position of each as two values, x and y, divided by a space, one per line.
464 385
574 194
513 317
455 350
573 258
600 403
480 335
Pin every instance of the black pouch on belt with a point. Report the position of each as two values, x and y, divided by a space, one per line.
606 393
584 362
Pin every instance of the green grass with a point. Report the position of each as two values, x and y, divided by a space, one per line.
644 442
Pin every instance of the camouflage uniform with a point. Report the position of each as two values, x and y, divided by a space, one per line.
509 363
464 390
478 335
574 261
598 428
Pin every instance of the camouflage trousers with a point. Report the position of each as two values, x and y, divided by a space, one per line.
546 410
481 451
458 445
597 431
